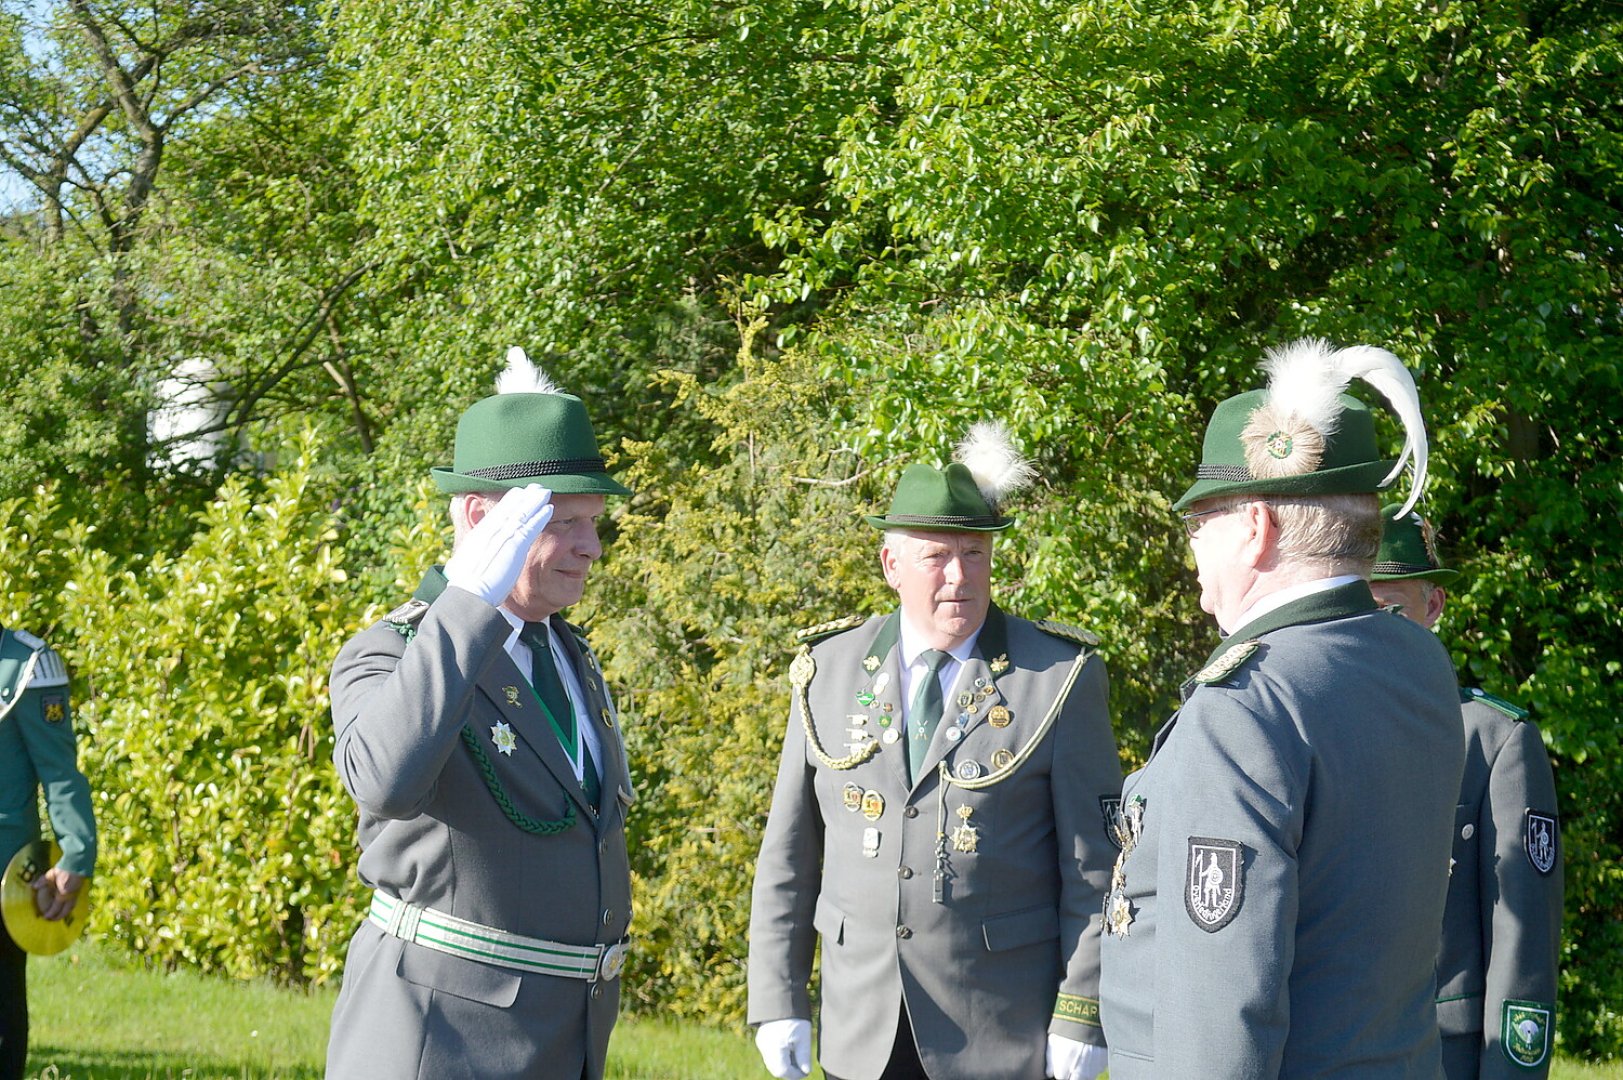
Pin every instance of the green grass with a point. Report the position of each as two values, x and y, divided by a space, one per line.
96 1017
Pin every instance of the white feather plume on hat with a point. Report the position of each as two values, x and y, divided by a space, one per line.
988 452
1306 379
523 377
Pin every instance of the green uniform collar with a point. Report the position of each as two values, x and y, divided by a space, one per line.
1353 598
432 585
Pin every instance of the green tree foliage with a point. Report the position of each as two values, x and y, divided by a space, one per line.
201 703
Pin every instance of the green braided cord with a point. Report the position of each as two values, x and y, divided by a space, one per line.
488 771
499 793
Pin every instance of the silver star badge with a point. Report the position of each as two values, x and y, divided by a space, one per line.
502 736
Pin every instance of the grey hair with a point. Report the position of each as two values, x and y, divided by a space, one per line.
1339 534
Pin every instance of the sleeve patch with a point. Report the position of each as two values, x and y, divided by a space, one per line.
1524 1031
1540 837
1079 1010
1215 883
54 707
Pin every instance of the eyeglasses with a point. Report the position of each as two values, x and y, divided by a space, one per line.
1192 522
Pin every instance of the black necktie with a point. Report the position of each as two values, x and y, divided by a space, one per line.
925 714
549 687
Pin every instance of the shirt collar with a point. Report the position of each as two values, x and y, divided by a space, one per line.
910 645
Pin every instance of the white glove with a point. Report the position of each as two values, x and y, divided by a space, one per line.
785 1046
489 557
1069 1059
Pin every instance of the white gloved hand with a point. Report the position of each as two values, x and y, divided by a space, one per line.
1069 1059
489 557
785 1046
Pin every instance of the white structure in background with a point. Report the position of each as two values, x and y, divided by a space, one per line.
191 404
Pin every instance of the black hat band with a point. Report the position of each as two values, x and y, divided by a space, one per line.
538 468
947 519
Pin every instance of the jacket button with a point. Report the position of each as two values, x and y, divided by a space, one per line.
904 932
910 812
1468 832
597 990
608 916
905 872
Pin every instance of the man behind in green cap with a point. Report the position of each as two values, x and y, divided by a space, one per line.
939 817
37 749
1496 974
1276 907
476 734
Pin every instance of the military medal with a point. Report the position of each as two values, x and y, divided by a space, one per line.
873 805
880 683
871 663
969 770
1002 759
965 699
1000 665
965 836
512 695
953 734
502 736
891 735
865 699
851 794
870 842
998 716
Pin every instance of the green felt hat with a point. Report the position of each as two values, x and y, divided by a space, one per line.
514 439
1408 549
940 500
1303 435
1350 462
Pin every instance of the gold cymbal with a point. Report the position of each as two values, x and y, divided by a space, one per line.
32 932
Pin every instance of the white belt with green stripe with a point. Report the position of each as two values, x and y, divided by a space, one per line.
475 941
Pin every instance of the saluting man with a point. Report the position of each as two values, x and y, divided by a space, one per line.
37 749
478 738
1276 907
939 817
1496 974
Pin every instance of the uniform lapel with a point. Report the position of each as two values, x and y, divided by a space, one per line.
610 755
973 694
512 699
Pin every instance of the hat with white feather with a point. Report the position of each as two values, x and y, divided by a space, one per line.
967 495
530 432
1304 436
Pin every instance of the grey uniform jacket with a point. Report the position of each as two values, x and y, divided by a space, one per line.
1009 947
1496 976
1277 908
433 833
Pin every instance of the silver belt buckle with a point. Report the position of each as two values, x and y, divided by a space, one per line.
613 960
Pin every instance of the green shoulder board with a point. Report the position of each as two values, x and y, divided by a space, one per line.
828 629
1227 663
1515 712
1068 632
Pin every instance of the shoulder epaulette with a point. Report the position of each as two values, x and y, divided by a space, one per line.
1515 712
28 639
828 629
1227 663
49 670
403 620
1068 632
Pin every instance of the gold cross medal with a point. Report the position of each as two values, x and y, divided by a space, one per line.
965 836
502 736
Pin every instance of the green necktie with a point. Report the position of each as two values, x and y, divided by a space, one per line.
549 687
925 714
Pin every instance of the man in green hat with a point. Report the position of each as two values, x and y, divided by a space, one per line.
478 738
37 749
939 817
1496 974
1277 903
